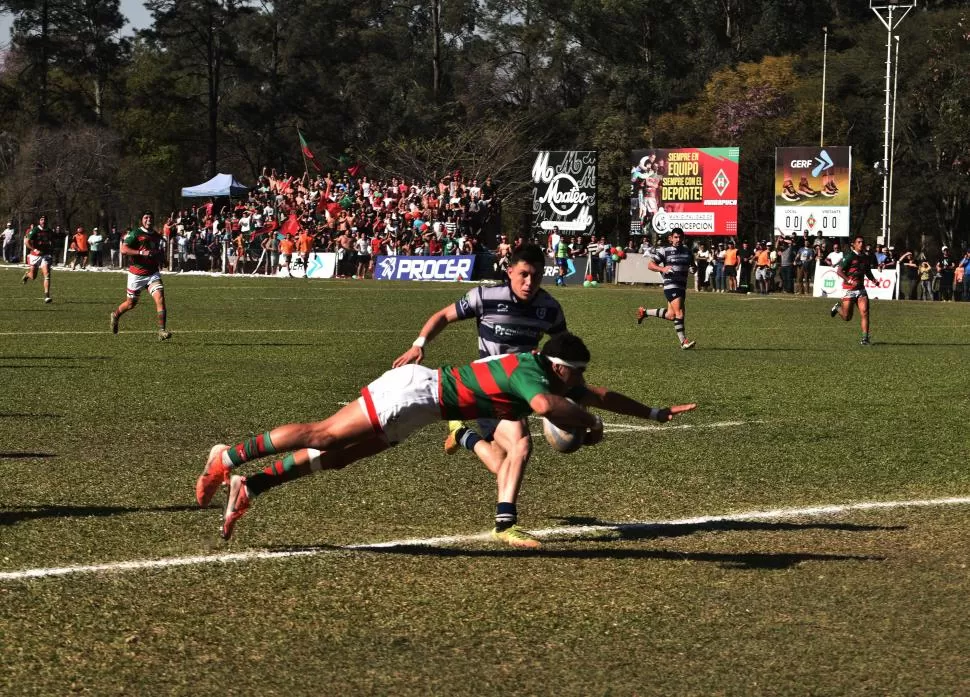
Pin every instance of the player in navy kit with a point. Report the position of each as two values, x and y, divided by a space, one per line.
673 261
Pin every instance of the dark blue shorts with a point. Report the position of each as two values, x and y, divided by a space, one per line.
562 263
672 293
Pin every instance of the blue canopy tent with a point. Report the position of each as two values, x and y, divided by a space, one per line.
219 185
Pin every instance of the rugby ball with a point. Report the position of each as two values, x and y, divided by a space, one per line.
563 440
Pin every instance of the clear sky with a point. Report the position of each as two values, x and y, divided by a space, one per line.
133 10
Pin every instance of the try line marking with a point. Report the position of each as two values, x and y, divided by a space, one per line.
449 541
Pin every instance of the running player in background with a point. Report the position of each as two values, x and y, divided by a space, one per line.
143 246
511 318
407 398
854 268
40 250
673 262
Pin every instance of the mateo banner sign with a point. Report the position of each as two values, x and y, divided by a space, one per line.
564 191
424 268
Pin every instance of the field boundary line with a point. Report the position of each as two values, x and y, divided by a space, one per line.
449 541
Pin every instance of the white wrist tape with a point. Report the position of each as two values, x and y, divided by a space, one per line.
420 342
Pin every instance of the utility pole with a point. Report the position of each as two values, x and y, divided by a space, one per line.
891 13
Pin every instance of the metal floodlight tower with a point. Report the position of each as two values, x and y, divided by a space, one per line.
891 13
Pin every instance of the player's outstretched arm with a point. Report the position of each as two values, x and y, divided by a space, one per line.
438 321
604 398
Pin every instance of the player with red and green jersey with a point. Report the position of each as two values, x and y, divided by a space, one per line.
854 269
411 396
143 245
40 251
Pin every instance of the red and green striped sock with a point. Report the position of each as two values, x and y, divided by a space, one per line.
282 471
250 449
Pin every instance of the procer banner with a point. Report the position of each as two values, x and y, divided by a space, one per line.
695 189
812 190
829 285
564 191
424 268
318 265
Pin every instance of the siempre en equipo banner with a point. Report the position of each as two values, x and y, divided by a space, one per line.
812 190
564 191
424 268
695 189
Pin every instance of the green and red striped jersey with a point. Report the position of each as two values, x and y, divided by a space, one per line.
496 387
41 240
140 238
857 267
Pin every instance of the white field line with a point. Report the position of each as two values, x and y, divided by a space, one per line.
448 541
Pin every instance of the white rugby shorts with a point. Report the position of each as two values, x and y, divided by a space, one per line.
38 261
401 401
136 284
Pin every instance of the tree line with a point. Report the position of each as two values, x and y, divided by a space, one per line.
98 125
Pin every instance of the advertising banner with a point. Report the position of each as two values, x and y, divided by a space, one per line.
812 190
829 285
564 191
551 270
695 189
450 268
319 265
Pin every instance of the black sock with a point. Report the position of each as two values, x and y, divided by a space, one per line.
505 516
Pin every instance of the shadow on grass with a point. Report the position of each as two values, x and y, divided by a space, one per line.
921 343
23 455
18 514
740 560
640 531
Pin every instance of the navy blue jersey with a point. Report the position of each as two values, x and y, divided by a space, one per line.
680 261
508 325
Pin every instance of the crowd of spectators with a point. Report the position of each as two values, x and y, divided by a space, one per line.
284 218
787 264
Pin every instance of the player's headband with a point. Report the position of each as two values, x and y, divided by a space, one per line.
575 365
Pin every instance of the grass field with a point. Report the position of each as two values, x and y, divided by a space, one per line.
642 586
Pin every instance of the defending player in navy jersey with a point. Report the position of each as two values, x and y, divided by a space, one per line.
673 262
511 318
854 269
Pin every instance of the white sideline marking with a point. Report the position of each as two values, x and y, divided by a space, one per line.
576 530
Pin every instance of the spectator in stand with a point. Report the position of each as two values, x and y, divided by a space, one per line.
731 267
239 247
362 251
834 258
762 271
95 245
79 244
786 255
964 265
112 243
745 257
702 259
804 267
719 268
287 247
925 272
908 275
10 255
944 269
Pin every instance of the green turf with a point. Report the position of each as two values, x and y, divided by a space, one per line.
101 438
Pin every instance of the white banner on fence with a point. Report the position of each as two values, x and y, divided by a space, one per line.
829 285
319 265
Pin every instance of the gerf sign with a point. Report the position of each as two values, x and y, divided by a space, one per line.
812 190
424 268
564 191
694 189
